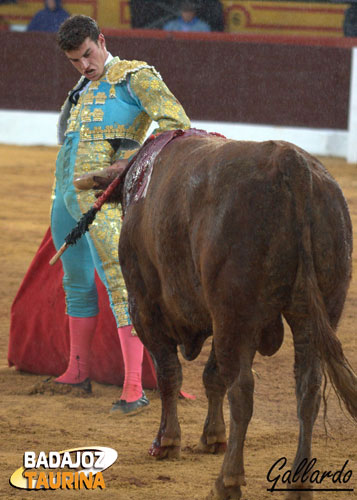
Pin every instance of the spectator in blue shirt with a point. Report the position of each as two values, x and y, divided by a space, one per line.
50 18
188 21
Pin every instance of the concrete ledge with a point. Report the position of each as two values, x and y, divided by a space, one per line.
40 128
28 128
352 115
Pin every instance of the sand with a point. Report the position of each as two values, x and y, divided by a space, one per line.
46 422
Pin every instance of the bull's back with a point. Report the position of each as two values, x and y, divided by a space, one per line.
221 226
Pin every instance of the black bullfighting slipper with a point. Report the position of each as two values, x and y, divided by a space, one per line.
50 386
121 407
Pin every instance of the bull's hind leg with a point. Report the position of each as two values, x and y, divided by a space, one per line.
213 439
235 359
308 382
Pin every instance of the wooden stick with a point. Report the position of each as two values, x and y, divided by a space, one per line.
58 254
99 203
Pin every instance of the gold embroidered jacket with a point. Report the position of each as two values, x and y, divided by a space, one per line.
123 103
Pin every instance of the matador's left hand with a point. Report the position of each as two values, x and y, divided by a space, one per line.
100 179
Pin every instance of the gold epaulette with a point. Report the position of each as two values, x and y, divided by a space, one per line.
119 70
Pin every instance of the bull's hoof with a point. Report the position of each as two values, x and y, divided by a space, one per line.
299 495
160 452
221 492
214 445
215 448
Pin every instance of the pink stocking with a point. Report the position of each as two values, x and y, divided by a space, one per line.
133 351
81 331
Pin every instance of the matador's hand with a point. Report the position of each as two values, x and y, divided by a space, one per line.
100 179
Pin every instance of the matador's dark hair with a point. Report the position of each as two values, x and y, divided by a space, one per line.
75 30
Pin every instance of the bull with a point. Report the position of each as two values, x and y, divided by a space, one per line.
229 238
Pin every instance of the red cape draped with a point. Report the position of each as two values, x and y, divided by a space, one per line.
39 332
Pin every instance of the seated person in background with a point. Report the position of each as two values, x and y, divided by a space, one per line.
350 21
50 18
187 21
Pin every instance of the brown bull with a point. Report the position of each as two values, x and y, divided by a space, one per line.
230 237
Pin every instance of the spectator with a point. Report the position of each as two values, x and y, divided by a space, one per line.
350 21
50 18
188 21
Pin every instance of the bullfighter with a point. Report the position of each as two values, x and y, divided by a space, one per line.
105 117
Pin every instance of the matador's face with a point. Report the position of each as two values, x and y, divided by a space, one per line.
89 58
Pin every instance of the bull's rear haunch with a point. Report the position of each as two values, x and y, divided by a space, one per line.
231 237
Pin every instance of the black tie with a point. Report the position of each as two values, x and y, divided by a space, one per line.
74 95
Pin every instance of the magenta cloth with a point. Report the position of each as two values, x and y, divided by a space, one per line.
39 332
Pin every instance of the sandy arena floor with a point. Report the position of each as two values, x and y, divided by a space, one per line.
54 423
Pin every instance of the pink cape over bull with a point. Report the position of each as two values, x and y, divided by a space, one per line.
229 238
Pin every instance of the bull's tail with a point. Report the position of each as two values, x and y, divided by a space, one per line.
333 361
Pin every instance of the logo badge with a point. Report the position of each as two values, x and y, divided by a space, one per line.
76 468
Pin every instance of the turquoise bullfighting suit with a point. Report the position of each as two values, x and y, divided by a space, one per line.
110 120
